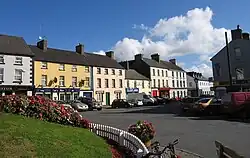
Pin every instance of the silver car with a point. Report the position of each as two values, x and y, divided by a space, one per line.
79 106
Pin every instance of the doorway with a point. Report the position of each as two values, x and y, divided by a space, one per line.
107 98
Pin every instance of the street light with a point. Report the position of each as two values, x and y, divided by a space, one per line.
196 83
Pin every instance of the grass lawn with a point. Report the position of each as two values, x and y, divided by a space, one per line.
26 137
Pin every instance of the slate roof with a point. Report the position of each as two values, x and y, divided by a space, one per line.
153 63
14 45
134 75
172 66
71 57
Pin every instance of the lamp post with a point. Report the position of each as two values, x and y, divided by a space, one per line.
196 86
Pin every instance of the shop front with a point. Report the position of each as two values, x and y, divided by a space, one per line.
18 90
58 93
132 90
164 92
154 92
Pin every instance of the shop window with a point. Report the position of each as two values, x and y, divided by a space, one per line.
61 97
74 81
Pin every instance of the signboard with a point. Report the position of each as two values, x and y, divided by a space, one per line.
132 90
57 89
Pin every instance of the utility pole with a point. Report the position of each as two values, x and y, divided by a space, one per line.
228 61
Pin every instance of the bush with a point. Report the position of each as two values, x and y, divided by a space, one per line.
143 130
43 109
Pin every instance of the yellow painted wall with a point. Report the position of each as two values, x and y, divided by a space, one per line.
53 71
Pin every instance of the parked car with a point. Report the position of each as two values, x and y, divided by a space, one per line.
208 106
188 103
121 103
64 103
160 100
91 102
138 97
135 102
79 106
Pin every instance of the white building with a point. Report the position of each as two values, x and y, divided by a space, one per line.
136 82
167 79
108 78
16 70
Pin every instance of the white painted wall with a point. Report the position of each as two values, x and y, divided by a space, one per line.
180 87
162 77
131 84
9 70
109 76
205 86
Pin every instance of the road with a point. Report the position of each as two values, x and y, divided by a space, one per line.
194 134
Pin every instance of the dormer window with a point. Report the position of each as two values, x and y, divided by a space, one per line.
61 67
18 61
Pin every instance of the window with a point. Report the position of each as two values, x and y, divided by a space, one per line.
18 75
120 83
100 97
239 73
106 71
135 84
106 83
113 71
184 93
177 83
166 83
44 80
1 74
159 83
184 84
74 82
61 81
113 83
237 52
99 83
98 70
158 72
162 72
75 96
1 59
149 85
173 83
61 97
176 74
166 73
74 68
163 83
19 61
180 83
120 72
128 83
61 67
172 73
143 86
181 94
44 65
154 84
153 72
86 83
173 94
86 68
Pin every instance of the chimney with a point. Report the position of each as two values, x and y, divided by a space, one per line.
80 49
155 57
138 57
173 61
245 36
127 65
43 44
237 33
110 54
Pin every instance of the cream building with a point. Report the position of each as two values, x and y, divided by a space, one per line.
108 78
136 82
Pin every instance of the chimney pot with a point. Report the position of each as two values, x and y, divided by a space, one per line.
138 56
110 54
236 33
43 44
173 61
155 57
80 49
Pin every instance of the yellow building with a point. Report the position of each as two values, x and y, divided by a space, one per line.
61 74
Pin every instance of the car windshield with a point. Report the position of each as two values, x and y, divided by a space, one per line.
204 100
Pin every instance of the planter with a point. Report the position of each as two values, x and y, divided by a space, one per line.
148 143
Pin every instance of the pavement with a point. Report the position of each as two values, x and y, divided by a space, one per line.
195 134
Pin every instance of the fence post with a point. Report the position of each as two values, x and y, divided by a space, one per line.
121 139
221 152
94 130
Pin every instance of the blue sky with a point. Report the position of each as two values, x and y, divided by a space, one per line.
100 24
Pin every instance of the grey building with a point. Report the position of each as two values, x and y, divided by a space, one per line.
16 68
239 62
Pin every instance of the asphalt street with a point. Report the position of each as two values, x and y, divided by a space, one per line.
194 134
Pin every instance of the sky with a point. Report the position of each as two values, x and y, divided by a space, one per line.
190 31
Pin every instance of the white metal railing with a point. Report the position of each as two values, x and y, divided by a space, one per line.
122 137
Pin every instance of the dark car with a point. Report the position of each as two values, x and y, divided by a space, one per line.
160 100
121 103
91 102
188 103
207 106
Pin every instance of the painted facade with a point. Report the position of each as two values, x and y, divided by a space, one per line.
108 84
138 86
178 83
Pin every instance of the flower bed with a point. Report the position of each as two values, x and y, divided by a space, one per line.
43 109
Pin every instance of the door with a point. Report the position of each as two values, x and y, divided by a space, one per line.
107 98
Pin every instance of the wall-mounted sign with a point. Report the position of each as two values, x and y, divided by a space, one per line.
132 90
57 89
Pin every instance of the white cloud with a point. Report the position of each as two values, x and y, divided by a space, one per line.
192 33
202 68
101 52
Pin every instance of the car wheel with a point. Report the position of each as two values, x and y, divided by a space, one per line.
99 109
